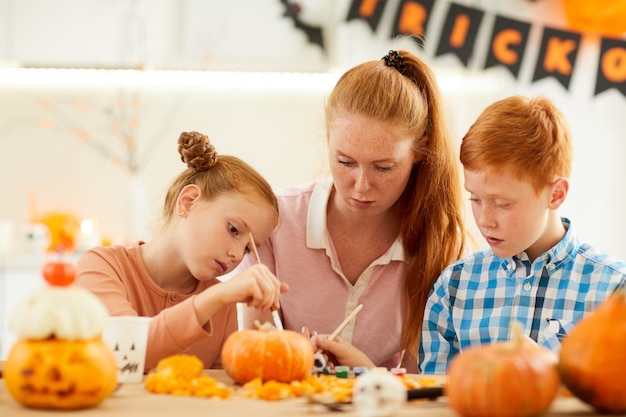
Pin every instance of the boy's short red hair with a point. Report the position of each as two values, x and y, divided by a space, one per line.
530 136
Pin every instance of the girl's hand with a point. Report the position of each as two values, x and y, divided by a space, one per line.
255 286
342 351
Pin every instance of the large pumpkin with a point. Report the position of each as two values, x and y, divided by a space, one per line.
515 378
592 361
267 353
60 374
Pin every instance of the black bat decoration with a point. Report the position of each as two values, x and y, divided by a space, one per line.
314 34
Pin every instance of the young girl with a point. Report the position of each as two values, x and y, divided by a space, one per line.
209 211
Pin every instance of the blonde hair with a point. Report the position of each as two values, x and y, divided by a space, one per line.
214 174
528 135
430 210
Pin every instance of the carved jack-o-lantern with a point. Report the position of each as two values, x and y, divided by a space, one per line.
59 360
60 374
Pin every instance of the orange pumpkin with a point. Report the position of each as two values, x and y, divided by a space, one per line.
592 360
60 374
267 353
505 379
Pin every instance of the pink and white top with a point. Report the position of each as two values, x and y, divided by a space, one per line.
300 252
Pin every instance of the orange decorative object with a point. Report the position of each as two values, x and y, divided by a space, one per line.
59 374
505 379
59 273
606 17
63 228
593 357
268 354
181 374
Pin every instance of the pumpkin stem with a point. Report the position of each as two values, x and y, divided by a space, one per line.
265 326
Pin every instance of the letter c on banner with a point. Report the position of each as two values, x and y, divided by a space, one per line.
501 44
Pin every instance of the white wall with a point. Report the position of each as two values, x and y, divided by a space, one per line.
274 121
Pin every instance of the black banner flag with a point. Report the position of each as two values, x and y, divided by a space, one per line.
412 19
368 10
508 44
459 32
612 66
557 55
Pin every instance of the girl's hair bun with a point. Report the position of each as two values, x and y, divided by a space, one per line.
196 151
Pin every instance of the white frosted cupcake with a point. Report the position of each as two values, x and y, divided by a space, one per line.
59 360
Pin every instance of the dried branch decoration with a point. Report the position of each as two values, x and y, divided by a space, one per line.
196 151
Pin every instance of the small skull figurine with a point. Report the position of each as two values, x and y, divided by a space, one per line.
319 363
378 393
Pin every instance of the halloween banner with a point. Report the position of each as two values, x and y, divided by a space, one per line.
612 70
412 19
369 10
507 46
459 32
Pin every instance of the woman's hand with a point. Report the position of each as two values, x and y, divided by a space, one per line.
309 335
341 351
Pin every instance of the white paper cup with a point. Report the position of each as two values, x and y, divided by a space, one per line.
128 337
6 237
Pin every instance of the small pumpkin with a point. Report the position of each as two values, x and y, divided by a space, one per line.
592 360
513 378
268 354
60 374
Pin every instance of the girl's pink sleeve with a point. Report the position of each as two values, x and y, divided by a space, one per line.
172 330
105 279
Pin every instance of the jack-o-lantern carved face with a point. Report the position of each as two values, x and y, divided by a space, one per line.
60 374
128 337
127 357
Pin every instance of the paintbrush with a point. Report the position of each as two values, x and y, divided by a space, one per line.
275 315
320 362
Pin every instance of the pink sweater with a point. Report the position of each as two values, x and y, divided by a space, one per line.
300 252
118 276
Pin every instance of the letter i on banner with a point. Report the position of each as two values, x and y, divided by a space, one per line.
412 19
459 32
508 44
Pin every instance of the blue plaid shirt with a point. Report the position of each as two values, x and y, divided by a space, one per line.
475 299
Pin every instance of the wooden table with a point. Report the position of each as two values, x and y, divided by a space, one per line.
133 400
